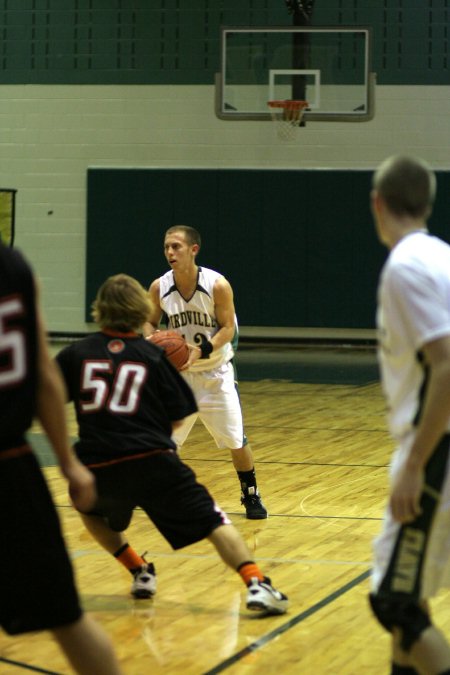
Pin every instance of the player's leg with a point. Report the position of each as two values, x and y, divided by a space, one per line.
417 645
87 647
230 545
401 661
233 550
98 527
184 429
184 512
221 413
30 522
250 497
431 653
409 562
242 459
107 525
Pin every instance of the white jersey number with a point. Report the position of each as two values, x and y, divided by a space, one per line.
12 344
125 392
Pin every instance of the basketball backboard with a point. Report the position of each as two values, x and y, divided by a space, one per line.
330 67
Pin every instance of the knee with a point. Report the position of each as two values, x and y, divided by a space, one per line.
401 612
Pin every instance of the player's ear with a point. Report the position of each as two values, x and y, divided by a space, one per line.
195 249
374 201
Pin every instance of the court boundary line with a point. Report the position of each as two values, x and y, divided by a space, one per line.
35 669
300 516
254 646
265 639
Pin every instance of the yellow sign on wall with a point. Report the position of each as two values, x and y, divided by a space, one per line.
7 215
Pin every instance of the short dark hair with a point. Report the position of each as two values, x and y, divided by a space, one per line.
191 234
407 185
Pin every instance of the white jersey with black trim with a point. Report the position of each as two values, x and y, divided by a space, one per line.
195 317
413 310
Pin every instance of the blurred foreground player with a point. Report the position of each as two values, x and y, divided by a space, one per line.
30 384
128 400
412 554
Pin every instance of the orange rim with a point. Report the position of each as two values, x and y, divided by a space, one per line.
288 104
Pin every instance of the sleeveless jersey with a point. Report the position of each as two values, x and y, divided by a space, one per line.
18 348
195 317
126 396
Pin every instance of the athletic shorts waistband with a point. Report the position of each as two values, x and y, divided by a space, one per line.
127 458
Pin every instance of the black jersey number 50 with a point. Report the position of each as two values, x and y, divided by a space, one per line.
122 396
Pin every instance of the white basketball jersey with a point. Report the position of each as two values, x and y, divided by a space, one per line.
194 317
413 309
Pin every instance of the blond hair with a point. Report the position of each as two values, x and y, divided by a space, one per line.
121 304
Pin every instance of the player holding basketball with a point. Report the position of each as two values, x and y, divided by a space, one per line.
37 588
198 303
128 401
412 554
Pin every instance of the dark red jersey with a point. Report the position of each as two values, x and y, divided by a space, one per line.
126 395
18 348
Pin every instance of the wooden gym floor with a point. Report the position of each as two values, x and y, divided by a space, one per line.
321 449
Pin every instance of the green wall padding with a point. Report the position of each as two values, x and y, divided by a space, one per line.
298 247
262 229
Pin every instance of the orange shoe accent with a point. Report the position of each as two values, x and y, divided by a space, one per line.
250 570
130 559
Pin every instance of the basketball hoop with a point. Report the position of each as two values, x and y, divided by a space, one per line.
287 116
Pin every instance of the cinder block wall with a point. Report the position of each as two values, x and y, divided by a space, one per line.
53 128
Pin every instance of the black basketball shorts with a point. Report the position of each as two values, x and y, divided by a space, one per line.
37 589
166 489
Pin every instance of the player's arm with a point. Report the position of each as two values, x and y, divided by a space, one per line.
225 316
50 408
152 324
407 487
225 313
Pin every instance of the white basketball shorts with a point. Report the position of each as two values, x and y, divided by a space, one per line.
219 407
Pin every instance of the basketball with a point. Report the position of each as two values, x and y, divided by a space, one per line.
174 346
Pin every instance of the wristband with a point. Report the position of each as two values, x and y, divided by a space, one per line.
206 348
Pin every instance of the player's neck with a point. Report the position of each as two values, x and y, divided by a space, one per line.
186 275
186 281
402 233
395 228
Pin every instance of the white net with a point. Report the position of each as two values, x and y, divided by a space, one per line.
287 117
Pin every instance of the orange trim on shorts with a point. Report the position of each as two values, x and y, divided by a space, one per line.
15 452
119 460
